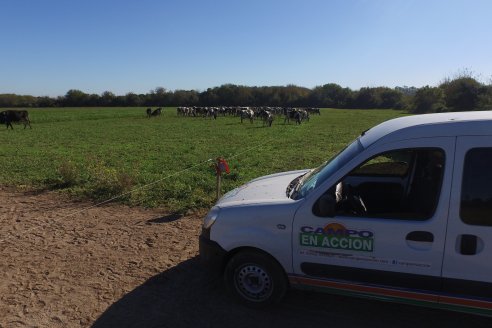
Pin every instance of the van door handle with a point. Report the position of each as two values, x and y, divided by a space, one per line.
468 244
423 236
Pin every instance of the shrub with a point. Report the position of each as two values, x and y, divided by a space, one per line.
68 174
106 182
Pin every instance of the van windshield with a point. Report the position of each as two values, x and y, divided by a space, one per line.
316 177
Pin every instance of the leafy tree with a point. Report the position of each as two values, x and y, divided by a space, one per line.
428 100
293 95
462 94
75 98
184 98
331 95
93 100
367 98
46 102
13 100
158 97
266 96
407 91
485 98
208 97
132 99
108 98
9 100
391 98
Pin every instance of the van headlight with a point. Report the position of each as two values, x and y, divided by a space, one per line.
211 217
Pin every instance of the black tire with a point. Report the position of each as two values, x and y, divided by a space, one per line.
255 279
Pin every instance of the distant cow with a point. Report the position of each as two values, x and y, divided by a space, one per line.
292 114
247 114
266 117
16 116
149 112
156 112
298 115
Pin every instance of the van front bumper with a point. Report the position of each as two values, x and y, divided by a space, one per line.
212 255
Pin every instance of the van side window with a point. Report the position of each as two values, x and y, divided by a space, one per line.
402 184
476 188
389 164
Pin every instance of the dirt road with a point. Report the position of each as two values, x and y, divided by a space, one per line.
114 266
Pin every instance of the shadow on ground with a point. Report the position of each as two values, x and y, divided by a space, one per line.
165 219
185 296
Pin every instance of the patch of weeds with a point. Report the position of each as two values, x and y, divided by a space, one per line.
68 175
105 182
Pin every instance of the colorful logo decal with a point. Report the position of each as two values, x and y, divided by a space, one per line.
335 235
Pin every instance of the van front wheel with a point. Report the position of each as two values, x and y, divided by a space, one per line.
255 279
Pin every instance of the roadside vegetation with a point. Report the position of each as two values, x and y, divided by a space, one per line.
98 153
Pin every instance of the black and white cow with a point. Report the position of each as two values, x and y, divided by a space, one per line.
247 114
156 112
266 117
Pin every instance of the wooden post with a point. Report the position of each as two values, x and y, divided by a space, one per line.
218 184
220 166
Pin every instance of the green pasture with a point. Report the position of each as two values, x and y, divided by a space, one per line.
102 152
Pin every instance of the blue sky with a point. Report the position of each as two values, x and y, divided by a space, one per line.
51 46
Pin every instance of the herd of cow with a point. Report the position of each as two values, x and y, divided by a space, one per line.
265 114
8 117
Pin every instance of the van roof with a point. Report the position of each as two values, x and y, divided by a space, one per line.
430 125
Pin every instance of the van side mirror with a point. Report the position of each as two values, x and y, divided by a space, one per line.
325 206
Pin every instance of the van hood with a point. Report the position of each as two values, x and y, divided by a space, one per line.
267 189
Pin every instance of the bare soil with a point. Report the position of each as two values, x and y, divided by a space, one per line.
62 265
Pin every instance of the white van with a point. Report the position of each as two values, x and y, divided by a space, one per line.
403 213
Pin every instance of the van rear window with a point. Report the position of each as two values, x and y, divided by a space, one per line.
476 188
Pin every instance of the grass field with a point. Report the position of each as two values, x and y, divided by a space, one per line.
102 152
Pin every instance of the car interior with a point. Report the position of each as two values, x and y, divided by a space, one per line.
402 184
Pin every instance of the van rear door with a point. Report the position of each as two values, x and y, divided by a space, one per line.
467 266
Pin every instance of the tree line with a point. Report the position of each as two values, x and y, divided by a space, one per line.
461 93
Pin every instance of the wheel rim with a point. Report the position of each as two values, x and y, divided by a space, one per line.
253 282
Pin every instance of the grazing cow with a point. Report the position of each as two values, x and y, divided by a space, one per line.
304 115
266 116
185 111
156 112
149 112
16 116
247 114
291 114
314 111
210 112
298 115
